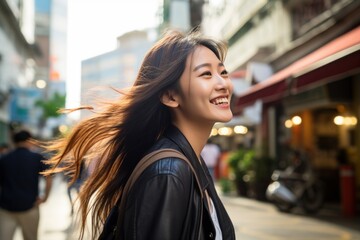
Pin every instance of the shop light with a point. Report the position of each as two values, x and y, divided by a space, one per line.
40 83
288 123
348 121
296 120
214 132
63 129
339 120
353 121
225 131
240 129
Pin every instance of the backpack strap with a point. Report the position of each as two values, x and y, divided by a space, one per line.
150 159
145 162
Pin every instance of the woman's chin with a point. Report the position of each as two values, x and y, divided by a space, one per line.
226 118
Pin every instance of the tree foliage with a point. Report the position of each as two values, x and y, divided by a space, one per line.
51 106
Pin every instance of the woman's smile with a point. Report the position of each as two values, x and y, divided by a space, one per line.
220 101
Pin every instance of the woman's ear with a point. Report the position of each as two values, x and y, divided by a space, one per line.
168 99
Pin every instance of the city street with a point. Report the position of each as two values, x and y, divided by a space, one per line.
253 220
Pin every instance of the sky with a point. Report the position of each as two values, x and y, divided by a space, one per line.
94 25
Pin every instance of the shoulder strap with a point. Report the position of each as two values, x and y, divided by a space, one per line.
145 162
149 159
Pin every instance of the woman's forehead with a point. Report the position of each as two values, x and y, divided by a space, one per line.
200 55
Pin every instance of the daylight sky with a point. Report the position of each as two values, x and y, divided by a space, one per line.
94 25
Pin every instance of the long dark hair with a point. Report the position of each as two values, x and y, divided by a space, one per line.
119 136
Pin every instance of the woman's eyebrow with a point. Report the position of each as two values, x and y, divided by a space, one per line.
206 65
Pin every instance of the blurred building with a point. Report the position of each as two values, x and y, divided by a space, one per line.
51 72
32 62
51 37
115 69
181 14
17 53
301 58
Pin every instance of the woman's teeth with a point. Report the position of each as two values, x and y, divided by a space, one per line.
218 101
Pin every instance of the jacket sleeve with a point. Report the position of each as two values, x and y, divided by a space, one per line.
159 205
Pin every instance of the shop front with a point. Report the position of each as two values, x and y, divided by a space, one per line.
322 124
313 105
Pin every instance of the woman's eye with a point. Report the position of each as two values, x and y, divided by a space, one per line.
206 74
224 72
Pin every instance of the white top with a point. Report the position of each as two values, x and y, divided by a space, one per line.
215 221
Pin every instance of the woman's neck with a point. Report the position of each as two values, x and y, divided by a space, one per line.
196 134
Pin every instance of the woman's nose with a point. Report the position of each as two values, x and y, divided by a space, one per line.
223 83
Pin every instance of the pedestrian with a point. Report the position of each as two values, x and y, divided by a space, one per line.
4 148
211 154
181 90
19 184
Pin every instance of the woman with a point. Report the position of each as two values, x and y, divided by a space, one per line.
181 90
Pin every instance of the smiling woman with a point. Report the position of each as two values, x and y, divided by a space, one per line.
181 90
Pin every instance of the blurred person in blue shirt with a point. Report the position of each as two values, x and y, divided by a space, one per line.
19 188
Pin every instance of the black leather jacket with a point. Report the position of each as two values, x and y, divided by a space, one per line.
165 202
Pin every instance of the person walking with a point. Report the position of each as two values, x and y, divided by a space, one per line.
181 90
211 154
19 189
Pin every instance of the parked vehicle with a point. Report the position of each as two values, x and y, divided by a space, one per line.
289 190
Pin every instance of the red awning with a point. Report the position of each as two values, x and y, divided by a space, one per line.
336 58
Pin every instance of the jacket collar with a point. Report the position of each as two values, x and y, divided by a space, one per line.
176 136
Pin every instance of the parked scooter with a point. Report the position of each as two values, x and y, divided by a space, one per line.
291 188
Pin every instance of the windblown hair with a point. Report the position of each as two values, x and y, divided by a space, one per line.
117 137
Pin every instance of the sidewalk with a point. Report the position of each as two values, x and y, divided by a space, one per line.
254 220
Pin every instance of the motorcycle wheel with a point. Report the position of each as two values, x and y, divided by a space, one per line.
283 207
313 198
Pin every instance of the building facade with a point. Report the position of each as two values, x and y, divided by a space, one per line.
182 15
51 37
115 69
32 57
17 53
312 48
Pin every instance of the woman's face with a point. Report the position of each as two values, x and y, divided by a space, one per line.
206 88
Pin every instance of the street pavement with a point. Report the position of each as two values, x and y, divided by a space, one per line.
253 220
